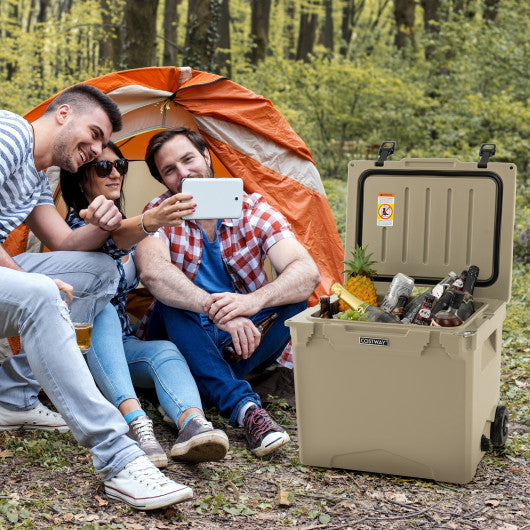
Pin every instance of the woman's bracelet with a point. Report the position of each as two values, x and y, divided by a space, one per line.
143 226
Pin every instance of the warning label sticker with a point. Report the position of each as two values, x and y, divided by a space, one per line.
385 209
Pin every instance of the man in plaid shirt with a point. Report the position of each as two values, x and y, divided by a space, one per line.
211 288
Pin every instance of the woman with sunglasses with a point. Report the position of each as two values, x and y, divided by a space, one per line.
117 358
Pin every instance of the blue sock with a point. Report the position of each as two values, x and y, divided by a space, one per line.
188 419
130 416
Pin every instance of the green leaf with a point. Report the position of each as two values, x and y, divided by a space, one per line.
324 518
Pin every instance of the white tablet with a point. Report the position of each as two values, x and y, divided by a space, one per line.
216 198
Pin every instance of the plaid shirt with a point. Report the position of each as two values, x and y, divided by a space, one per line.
120 300
244 244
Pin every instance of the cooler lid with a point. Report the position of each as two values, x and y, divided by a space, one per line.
426 217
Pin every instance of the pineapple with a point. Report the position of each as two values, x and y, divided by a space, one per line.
359 277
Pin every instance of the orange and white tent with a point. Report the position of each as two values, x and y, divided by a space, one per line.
247 137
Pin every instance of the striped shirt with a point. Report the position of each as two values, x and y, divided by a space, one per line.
22 187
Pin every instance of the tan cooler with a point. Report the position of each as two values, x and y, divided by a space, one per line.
406 399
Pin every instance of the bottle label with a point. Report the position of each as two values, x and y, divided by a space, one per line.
458 284
424 315
398 310
438 290
467 298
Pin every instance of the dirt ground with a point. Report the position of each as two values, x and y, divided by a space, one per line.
47 481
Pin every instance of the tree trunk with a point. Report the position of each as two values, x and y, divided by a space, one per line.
64 8
326 31
109 38
431 16
308 28
404 19
43 8
201 34
259 30
11 14
139 33
290 11
171 20
490 10
223 57
346 27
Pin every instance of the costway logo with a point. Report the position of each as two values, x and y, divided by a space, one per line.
373 341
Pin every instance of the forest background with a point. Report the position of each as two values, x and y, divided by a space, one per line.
439 77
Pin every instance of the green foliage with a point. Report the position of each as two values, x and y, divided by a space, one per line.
336 192
50 449
477 80
341 109
472 90
12 514
55 54
521 238
220 504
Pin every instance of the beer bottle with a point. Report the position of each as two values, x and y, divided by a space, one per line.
424 315
415 303
400 306
443 302
372 313
449 318
229 352
467 307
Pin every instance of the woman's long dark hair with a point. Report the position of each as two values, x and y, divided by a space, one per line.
72 185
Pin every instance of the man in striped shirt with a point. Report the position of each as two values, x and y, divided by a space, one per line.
73 131
211 287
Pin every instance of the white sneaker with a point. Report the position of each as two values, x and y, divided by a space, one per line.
40 417
144 487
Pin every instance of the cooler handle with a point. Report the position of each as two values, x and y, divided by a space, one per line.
485 153
385 150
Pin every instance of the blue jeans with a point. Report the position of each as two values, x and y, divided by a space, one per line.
30 306
117 362
201 342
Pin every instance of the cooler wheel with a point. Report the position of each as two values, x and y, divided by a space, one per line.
499 427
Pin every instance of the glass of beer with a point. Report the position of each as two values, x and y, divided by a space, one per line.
82 312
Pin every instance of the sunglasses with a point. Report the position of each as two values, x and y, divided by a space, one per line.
104 167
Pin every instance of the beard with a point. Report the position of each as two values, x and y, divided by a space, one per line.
61 148
206 174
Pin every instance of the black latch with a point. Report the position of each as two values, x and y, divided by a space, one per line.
386 149
485 153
